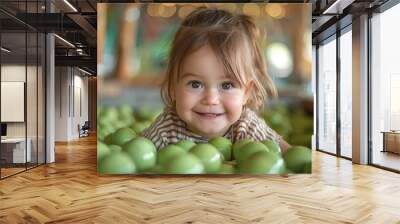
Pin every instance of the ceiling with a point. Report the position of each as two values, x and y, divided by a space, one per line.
332 15
76 26
79 27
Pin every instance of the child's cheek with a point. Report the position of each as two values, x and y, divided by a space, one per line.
189 99
234 106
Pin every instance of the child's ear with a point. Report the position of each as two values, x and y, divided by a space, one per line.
247 91
172 94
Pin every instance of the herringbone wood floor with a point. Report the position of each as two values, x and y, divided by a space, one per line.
70 191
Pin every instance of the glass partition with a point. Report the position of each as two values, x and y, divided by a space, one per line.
13 108
31 99
22 91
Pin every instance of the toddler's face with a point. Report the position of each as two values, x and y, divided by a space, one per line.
206 99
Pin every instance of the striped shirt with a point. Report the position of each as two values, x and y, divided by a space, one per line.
168 128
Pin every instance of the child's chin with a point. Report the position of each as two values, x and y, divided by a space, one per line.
212 132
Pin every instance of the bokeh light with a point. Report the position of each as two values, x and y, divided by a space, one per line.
280 58
185 10
166 11
275 10
251 9
132 14
152 9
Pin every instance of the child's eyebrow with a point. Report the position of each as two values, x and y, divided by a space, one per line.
189 74
227 77
186 74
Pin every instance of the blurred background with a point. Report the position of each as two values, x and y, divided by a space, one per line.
133 46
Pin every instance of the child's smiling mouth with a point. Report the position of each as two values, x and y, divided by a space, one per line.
208 115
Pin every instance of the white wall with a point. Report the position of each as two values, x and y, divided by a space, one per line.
61 103
13 101
33 127
70 83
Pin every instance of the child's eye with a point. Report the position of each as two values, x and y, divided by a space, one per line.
195 84
227 85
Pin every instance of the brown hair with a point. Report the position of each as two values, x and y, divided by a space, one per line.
233 38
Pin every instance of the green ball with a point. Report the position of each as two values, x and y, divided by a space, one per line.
247 150
224 146
127 120
125 110
186 144
101 134
184 164
120 137
140 126
142 151
307 168
102 150
209 156
116 163
157 169
168 153
104 130
115 148
144 113
109 114
272 146
239 144
227 168
297 158
120 124
263 162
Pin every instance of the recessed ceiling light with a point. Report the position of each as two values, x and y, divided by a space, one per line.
64 40
70 5
5 49
84 71
337 7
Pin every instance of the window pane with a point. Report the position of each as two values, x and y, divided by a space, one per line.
327 97
346 94
386 89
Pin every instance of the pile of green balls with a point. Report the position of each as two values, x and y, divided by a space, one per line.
121 150
110 119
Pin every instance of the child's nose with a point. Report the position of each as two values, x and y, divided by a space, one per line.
211 97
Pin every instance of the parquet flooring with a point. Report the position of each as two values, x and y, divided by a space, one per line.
70 191
9 171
